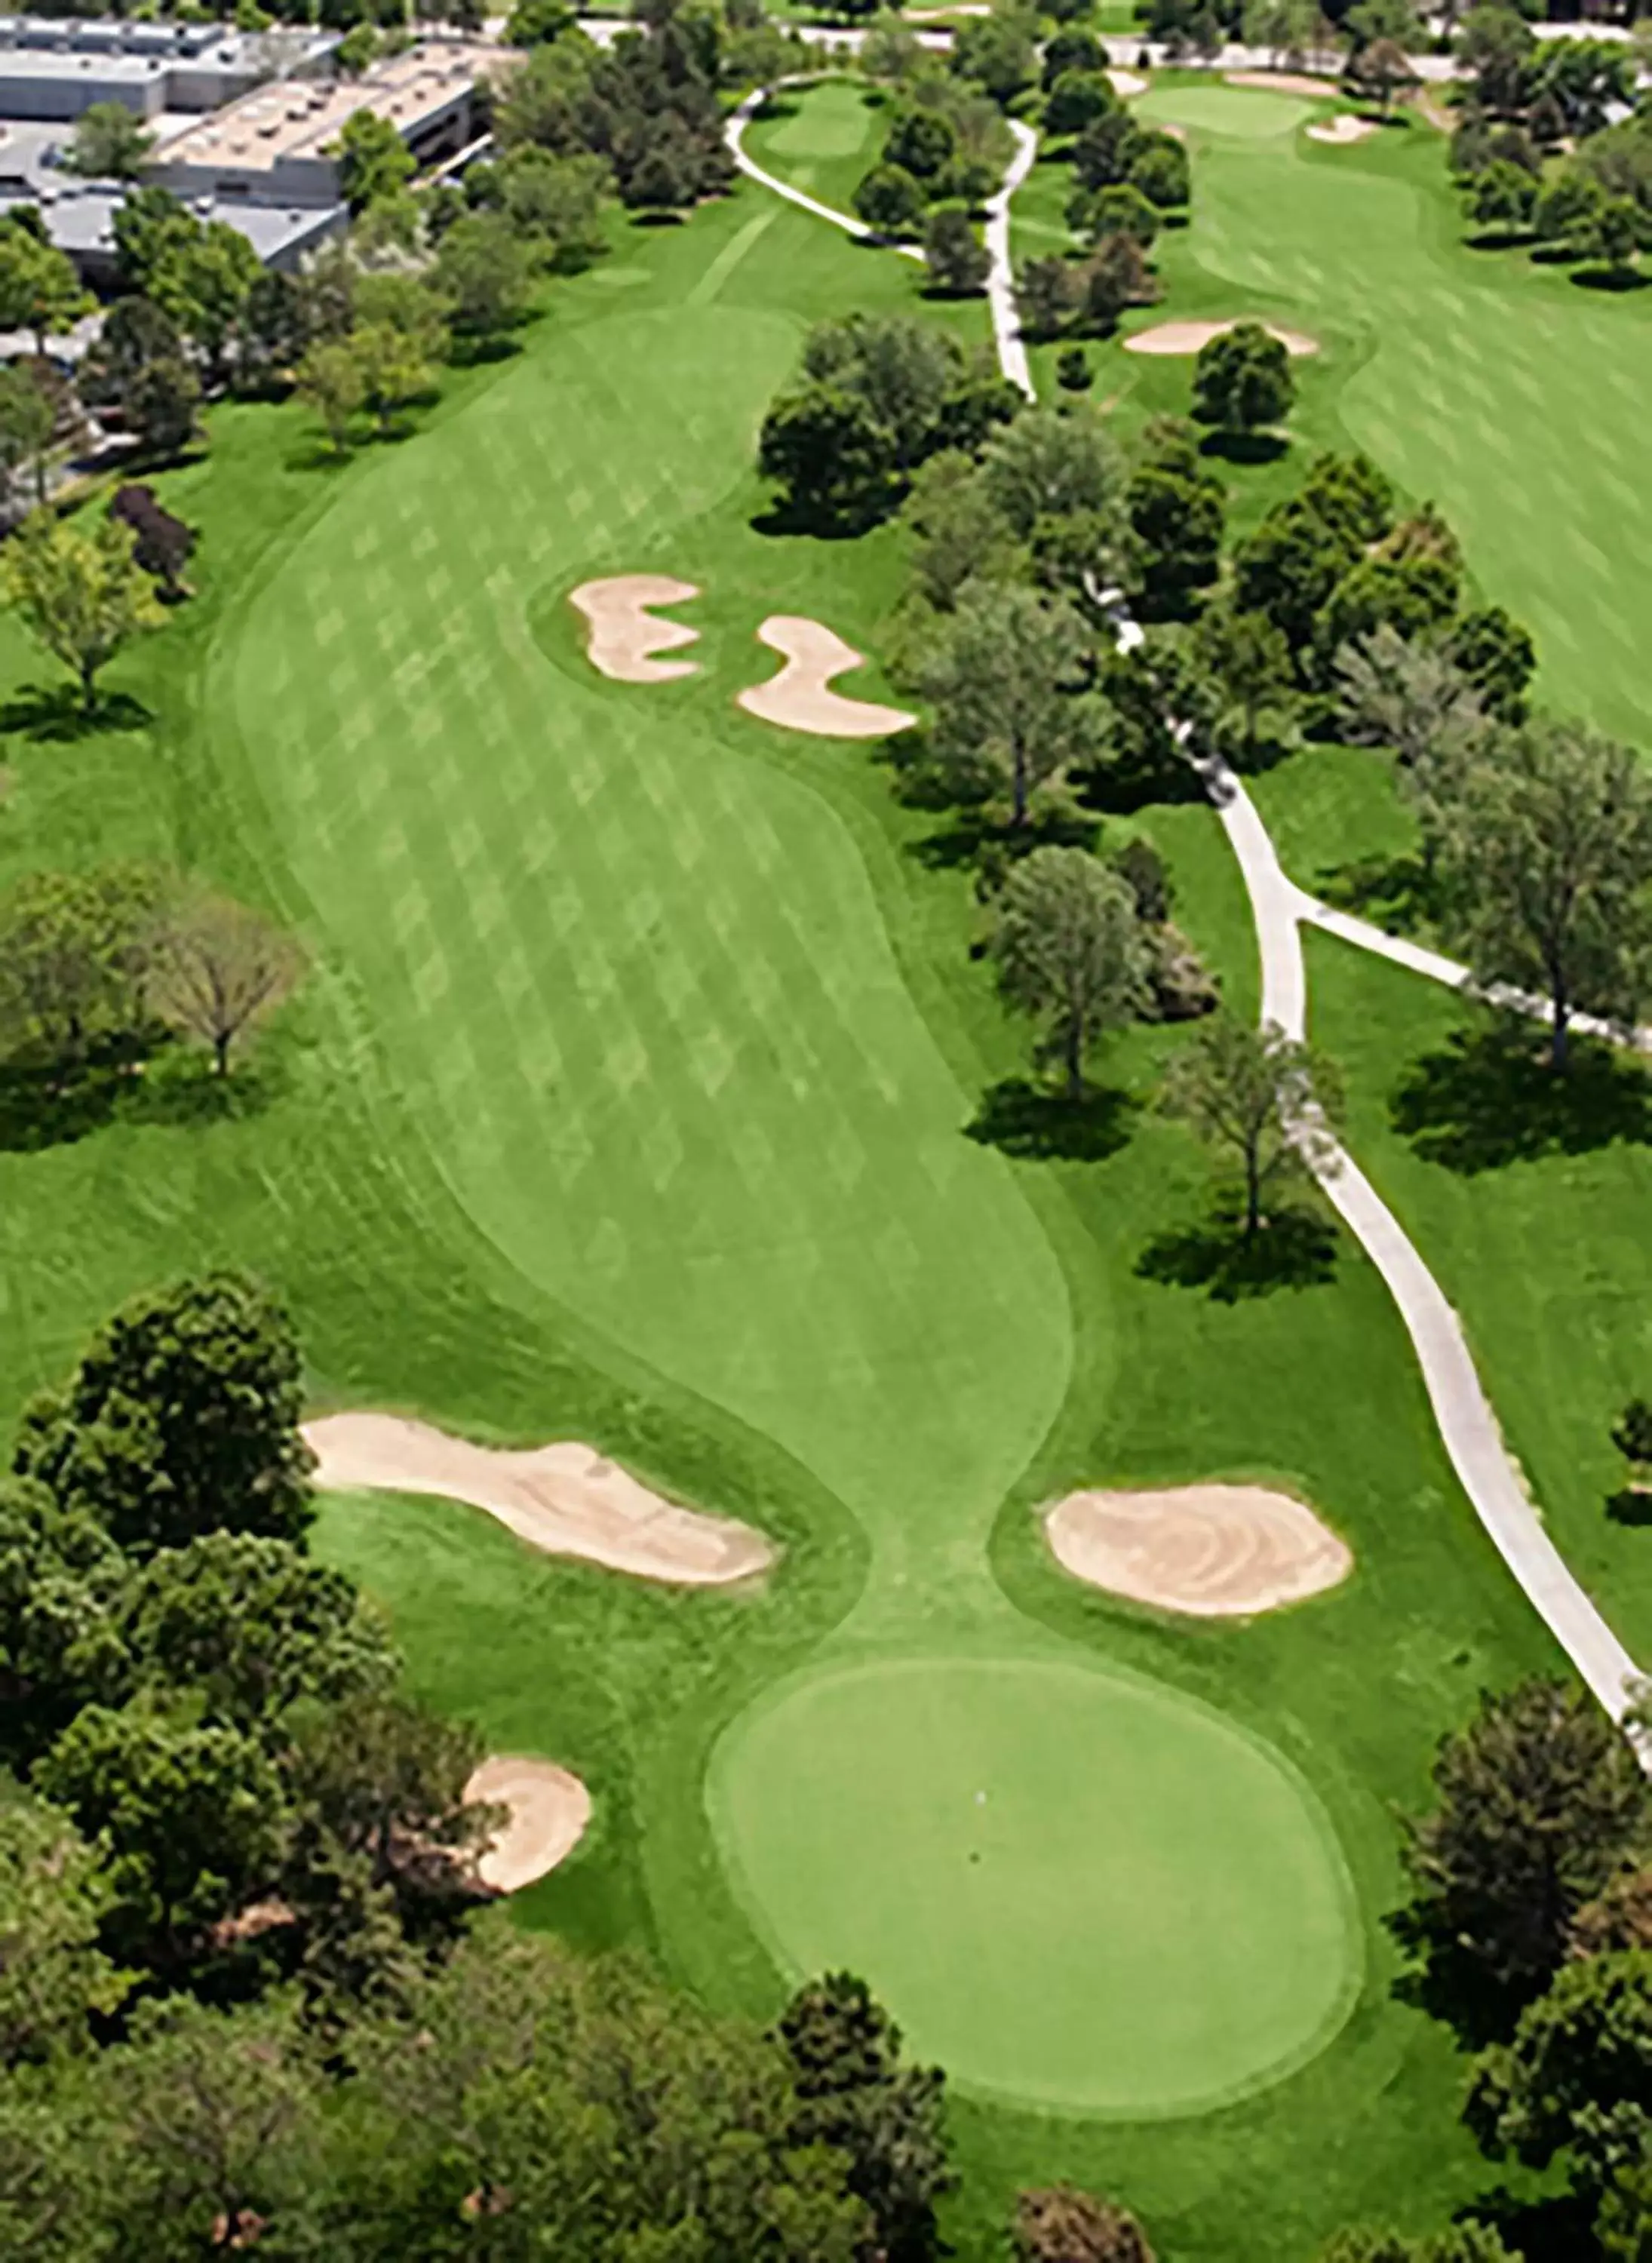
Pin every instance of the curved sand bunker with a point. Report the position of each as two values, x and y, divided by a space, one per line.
1343 128
1282 82
1187 337
565 1499
799 698
622 631
1210 1550
1125 84
549 1811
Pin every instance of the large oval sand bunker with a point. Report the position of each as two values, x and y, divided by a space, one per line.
1189 337
548 1810
624 632
1211 1550
566 1498
800 698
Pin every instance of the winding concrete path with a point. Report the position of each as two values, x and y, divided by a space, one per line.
1467 1424
733 133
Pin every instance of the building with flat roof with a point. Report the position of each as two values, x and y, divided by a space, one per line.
274 145
54 71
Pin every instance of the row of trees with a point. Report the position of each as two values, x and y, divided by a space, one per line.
248 1998
96 964
1530 1925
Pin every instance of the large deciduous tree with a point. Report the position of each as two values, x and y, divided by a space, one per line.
1538 1801
1071 952
1242 380
181 1419
110 143
74 957
1545 840
83 595
137 364
855 2093
53 1896
1255 1098
1011 713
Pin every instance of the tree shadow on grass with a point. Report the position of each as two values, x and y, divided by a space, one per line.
1295 1249
1631 1505
1489 1097
1245 447
1036 1124
55 712
1555 2230
1400 891
139 1080
183 1091
982 838
1610 278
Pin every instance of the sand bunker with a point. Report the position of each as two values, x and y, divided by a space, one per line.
1344 127
1126 83
1211 1550
549 1810
1282 82
1187 337
564 1499
622 632
799 698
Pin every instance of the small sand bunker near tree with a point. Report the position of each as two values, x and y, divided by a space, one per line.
800 698
623 634
565 1499
1211 1550
1128 83
1344 127
1282 81
549 1810
1188 337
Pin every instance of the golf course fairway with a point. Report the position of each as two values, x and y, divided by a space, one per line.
1073 1887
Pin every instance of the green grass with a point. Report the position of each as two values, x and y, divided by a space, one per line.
825 140
1020 1842
628 1100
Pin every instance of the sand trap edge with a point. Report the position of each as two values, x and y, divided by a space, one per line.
550 1812
1187 337
1313 1559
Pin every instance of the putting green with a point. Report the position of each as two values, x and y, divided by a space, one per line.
1073 1887
833 122
1240 114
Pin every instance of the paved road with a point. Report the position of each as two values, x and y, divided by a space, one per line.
1467 1424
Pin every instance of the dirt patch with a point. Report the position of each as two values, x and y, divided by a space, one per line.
1284 83
1344 127
1125 84
549 1811
1210 1550
1188 337
565 1499
799 699
622 632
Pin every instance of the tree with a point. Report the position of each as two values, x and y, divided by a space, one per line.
218 968
254 1626
136 364
1103 153
73 957
1077 98
890 202
109 143
1051 464
190 1817
1407 694
385 1779
1548 841
825 449
1047 292
921 142
958 262
1249 662
82 596
28 418
1075 48
854 2093
907 372
483 274
1502 198
373 161
329 381
535 23
1464 2243
53 1897
1287 569
1115 275
181 1419
1572 2079
1381 67
1632 1436
391 367
1537 1801
1613 238
1494 42
557 204
1160 169
1056 2223
1566 210
1120 209
1004 678
203 282
961 537
39 290
998 51
162 545
149 227
1242 380
1258 1097
1070 952
1176 517
1498 657
1073 372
